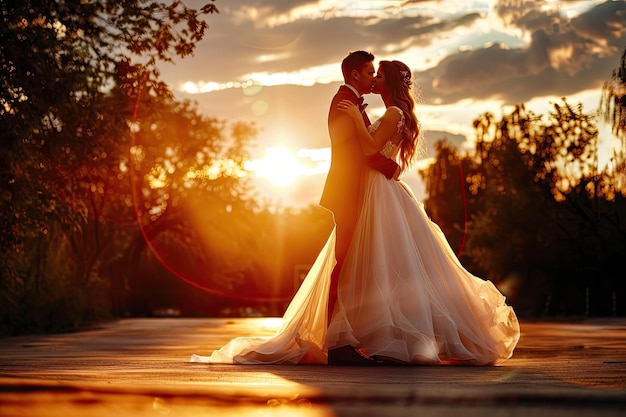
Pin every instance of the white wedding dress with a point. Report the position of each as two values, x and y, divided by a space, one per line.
403 296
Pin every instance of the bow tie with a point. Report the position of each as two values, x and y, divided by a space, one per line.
362 105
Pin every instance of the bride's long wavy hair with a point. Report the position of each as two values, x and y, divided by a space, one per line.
398 77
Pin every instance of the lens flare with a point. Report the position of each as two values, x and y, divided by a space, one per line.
140 207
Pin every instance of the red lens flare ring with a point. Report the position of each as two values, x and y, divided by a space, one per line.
175 272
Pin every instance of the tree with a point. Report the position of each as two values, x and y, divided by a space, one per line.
613 102
63 125
189 191
541 224
445 186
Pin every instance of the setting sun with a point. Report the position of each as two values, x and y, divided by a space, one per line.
280 166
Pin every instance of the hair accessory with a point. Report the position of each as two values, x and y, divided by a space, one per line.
407 78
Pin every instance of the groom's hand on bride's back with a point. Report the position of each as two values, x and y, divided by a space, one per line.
388 167
396 175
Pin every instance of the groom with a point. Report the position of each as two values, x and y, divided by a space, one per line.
342 192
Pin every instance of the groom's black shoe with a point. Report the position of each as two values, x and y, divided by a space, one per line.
347 356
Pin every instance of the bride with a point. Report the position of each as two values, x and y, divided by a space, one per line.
403 295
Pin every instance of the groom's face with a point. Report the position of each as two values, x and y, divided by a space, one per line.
365 78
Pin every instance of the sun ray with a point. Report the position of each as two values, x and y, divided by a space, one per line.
280 166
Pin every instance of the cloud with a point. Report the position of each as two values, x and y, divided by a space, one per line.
471 52
527 15
237 46
401 33
468 56
558 60
606 21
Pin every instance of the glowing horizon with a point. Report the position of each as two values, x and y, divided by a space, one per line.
282 167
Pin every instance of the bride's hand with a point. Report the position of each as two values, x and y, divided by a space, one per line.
348 107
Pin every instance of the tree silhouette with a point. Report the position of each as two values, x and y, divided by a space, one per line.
613 102
613 110
63 125
541 223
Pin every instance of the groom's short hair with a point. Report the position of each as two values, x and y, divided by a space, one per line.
355 61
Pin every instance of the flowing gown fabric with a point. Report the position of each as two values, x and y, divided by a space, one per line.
300 339
403 296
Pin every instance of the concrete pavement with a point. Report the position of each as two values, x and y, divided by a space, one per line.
139 367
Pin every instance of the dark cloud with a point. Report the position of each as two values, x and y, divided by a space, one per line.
525 14
233 45
394 35
239 35
561 59
309 43
323 42
606 21
266 8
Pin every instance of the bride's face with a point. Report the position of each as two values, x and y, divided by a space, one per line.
380 84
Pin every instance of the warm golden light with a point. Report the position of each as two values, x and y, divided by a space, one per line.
280 166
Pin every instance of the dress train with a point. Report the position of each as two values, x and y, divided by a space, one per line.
301 337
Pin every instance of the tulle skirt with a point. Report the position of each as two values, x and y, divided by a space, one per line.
403 296
301 337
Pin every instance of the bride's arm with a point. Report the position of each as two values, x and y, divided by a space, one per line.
371 143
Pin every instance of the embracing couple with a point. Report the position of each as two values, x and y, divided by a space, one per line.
386 288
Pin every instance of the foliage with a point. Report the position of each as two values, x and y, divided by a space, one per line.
545 222
189 193
67 73
281 244
613 111
613 102
116 198
543 218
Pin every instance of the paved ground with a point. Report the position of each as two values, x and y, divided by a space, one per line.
138 367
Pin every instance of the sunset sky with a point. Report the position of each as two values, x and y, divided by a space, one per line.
277 63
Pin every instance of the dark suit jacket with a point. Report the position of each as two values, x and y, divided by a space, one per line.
342 190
